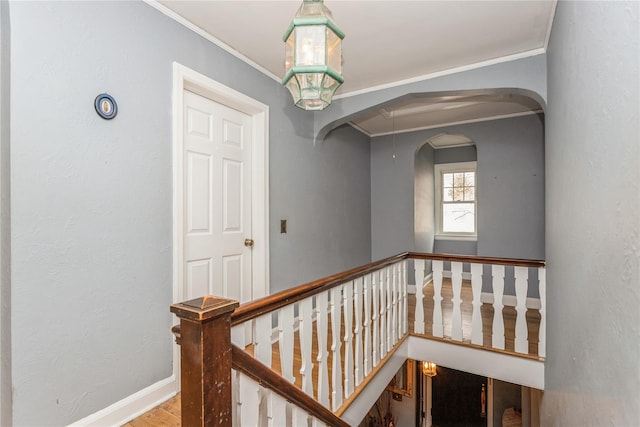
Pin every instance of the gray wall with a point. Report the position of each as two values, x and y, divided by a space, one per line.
424 191
331 194
510 187
424 194
593 216
456 154
5 219
91 199
392 194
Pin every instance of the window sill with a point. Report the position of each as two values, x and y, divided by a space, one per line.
456 237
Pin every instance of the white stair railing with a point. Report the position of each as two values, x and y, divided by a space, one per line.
468 271
344 327
355 324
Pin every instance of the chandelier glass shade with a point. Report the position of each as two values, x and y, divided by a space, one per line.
313 56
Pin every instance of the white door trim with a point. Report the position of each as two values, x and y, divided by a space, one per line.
187 79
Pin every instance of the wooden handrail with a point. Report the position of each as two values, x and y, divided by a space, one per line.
281 299
246 364
278 300
477 259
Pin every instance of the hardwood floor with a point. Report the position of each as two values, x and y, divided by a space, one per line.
165 415
168 413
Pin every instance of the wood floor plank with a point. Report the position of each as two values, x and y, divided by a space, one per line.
166 414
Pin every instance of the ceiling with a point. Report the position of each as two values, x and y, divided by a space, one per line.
388 43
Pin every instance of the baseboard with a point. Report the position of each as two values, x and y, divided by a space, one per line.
511 301
487 298
428 278
465 275
132 406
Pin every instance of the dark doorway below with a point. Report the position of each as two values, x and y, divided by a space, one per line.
457 399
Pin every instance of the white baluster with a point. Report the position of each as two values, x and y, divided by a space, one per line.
456 283
383 314
375 298
323 354
300 418
263 348
249 401
398 293
476 316
522 338
357 307
285 342
497 339
542 334
264 406
238 335
279 410
405 298
393 324
367 358
336 365
236 400
347 309
389 314
305 331
418 324
438 327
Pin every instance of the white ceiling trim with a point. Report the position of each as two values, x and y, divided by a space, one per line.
500 60
461 122
199 31
449 140
403 112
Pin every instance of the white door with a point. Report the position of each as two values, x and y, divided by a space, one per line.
216 200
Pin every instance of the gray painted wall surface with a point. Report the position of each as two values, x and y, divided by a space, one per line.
510 188
424 190
392 193
5 219
424 196
92 202
332 194
455 155
458 247
593 216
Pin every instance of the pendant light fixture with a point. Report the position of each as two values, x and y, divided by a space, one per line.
313 56
429 369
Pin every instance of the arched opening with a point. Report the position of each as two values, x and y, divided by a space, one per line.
506 130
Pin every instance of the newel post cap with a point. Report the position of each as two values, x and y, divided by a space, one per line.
204 308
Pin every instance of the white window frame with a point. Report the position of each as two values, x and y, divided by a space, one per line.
439 171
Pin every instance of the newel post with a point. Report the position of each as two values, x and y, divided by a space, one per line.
205 353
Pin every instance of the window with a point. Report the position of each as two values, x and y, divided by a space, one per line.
456 197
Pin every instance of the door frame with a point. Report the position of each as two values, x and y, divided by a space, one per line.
187 79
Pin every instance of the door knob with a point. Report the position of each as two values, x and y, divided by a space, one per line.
248 243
